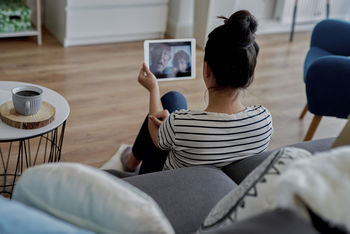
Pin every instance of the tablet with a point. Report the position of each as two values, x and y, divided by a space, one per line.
172 59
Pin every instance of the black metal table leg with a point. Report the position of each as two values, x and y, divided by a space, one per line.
45 148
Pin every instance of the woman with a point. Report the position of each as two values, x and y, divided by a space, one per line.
226 131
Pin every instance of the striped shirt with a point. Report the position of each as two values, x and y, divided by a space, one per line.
207 138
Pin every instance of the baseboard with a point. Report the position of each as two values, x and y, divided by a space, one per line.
111 38
272 27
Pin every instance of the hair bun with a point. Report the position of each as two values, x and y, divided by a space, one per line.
240 28
231 51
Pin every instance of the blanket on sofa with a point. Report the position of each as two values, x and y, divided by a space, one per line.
320 184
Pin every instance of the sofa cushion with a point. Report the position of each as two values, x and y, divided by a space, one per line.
16 217
90 198
238 171
186 195
257 193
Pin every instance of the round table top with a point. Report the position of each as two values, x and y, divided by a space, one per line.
8 133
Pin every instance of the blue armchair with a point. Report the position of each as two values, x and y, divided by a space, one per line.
327 73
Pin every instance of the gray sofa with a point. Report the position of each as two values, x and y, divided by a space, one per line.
187 195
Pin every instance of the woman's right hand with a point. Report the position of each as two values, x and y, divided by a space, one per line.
147 79
154 122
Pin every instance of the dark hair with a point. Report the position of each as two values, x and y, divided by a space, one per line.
180 55
231 50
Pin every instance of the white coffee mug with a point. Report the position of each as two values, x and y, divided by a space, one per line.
27 99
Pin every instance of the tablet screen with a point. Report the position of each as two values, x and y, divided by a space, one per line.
171 59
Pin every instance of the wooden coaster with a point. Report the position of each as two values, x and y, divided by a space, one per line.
43 117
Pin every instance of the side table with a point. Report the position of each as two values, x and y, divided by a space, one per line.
24 148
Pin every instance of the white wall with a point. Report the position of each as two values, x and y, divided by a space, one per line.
311 10
81 22
201 8
196 18
205 17
180 18
206 12
55 19
274 16
32 5
261 9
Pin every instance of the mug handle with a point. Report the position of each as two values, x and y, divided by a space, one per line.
27 107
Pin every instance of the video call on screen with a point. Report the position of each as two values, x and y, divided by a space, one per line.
170 59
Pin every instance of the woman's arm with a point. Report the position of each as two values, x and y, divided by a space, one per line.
149 81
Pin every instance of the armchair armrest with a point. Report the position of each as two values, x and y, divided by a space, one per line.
332 35
328 86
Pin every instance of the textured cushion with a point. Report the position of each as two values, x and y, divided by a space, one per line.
16 217
90 198
256 193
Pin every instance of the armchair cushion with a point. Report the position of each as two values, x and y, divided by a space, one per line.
327 86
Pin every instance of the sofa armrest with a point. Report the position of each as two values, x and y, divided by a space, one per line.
332 35
327 86
238 171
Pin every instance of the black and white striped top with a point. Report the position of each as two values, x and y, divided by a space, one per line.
207 138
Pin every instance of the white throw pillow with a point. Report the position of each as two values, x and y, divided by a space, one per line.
322 185
90 198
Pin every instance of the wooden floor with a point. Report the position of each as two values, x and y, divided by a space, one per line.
108 105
